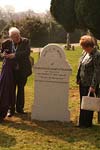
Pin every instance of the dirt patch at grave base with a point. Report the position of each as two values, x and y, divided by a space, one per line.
74 104
74 94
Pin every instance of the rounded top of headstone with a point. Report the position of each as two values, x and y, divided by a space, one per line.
53 50
52 56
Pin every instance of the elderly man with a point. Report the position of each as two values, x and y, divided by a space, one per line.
20 54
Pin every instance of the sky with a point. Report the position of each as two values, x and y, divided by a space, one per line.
23 5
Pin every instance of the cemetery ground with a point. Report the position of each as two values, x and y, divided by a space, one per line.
20 133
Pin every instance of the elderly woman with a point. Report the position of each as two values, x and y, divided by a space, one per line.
16 68
88 76
7 81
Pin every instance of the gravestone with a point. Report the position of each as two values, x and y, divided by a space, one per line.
51 89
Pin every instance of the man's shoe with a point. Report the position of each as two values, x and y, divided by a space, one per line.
21 112
10 114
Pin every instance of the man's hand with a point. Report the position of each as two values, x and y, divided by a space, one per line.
3 54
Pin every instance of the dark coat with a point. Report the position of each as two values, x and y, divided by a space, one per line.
89 71
21 55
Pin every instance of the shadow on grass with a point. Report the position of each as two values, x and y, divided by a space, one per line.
6 140
57 130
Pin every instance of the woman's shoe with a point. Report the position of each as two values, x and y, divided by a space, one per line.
80 126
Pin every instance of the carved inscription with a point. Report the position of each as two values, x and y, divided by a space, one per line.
52 74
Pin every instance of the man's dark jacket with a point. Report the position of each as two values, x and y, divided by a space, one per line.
21 55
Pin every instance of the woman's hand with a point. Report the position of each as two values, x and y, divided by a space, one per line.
78 82
91 89
10 56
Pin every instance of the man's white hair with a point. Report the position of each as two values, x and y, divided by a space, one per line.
13 30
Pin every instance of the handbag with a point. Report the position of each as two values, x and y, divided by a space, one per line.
90 103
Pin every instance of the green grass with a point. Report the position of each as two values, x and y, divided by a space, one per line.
73 59
20 133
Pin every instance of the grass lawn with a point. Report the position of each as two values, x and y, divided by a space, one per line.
20 133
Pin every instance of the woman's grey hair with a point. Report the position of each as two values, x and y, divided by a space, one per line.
13 30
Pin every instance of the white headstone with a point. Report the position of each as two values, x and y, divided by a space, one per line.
51 88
